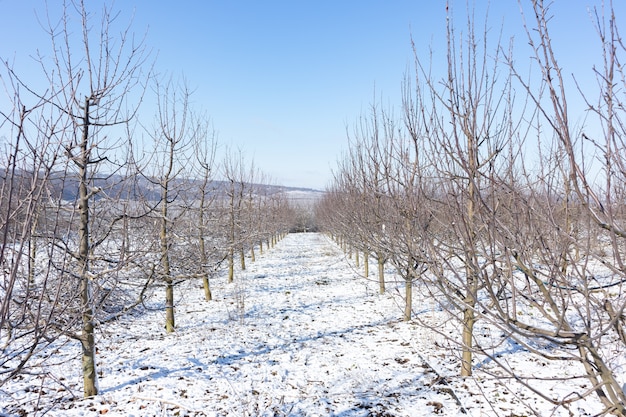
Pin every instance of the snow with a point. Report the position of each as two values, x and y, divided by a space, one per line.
299 333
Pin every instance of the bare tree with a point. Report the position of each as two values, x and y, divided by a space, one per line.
91 93
362 181
84 97
461 117
585 227
173 135
516 232
205 145
237 182
28 159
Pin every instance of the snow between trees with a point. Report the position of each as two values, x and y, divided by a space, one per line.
299 333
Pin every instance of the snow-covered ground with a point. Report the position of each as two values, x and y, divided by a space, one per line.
299 333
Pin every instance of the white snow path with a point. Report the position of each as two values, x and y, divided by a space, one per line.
298 333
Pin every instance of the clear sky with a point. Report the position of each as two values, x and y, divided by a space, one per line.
283 80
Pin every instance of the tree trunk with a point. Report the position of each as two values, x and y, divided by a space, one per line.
169 305
366 263
408 299
468 330
231 265
32 253
471 279
164 237
381 274
165 266
87 338
203 259
208 296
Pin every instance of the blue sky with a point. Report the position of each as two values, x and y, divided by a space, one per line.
283 80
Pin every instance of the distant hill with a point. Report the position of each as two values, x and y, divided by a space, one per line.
304 197
138 187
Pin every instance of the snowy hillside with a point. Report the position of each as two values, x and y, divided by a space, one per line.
299 333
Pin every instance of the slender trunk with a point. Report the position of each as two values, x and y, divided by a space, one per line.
231 265
469 317
381 274
204 262
568 227
205 274
32 252
208 295
164 236
366 263
469 320
231 250
252 256
90 383
165 266
242 257
169 305
356 259
408 295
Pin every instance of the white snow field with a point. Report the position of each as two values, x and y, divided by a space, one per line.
299 333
